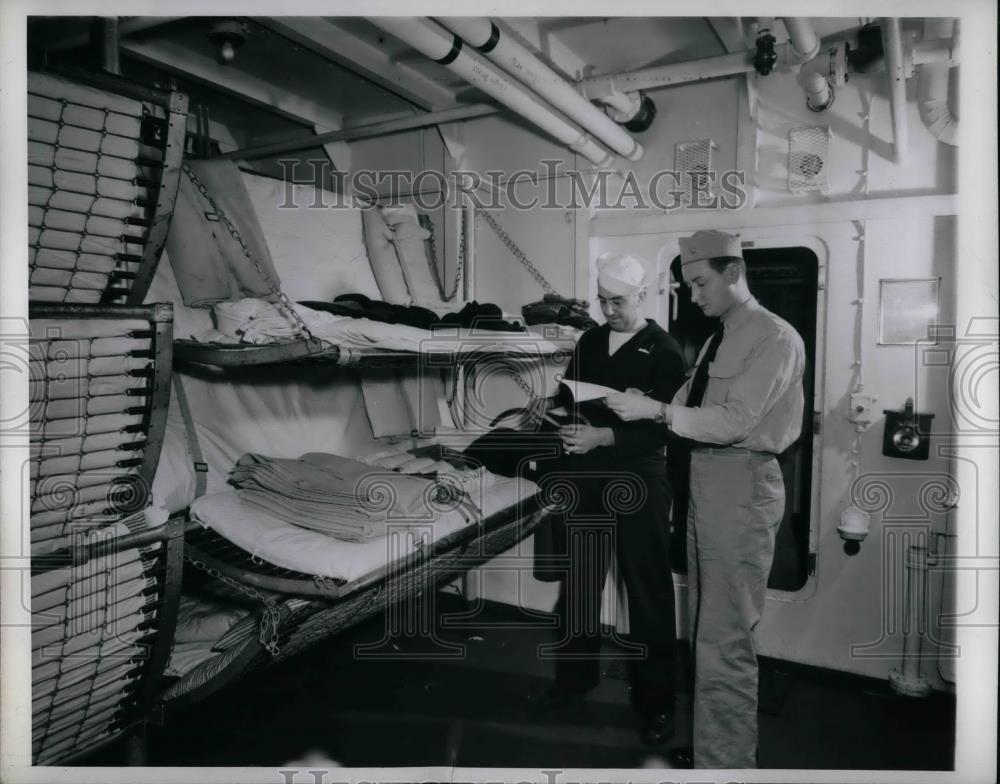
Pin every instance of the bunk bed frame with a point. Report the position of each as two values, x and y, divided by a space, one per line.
161 130
292 610
229 355
297 610
93 547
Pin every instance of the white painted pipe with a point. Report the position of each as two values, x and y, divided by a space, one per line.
621 107
932 93
597 88
909 679
432 41
942 50
804 40
893 43
524 65
916 606
818 92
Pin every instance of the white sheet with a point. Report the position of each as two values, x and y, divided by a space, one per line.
296 548
318 251
258 322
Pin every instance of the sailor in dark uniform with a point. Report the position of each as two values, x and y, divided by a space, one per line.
618 472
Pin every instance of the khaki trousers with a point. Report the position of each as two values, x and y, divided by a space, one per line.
737 502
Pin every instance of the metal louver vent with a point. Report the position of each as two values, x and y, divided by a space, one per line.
693 163
808 158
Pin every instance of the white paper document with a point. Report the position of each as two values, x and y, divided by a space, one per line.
583 391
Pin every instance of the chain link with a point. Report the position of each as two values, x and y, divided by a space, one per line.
432 262
525 386
518 253
271 618
283 302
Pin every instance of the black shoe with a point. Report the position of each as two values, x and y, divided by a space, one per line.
657 730
682 757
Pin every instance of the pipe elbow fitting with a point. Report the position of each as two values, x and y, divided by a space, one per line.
819 92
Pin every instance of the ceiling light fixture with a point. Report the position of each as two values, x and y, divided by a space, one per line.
228 35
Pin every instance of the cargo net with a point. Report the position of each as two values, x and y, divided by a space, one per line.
90 390
95 161
92 627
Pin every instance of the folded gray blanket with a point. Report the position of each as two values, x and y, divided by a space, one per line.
335 495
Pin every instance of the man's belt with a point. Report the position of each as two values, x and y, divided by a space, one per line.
697 446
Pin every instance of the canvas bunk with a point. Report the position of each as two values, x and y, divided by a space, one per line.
296 610
311 350
108 554
293 608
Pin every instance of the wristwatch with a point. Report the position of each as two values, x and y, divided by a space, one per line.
661 415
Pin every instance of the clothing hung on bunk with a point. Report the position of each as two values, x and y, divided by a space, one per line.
335 495
556 309
474 315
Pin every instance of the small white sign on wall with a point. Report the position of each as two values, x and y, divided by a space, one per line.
907 310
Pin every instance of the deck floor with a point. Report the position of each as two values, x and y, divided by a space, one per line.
408 701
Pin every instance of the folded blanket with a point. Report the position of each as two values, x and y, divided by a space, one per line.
338 496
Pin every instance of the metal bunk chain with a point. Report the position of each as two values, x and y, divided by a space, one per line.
525 386
271 618
283 301
518 253
459 269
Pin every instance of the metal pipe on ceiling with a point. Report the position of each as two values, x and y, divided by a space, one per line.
110 45
431 40
802 37
524 65
803 46
384 128
895 71
597 87
932 84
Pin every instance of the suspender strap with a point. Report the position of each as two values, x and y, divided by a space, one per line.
193 447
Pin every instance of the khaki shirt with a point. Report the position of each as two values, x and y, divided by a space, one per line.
754 398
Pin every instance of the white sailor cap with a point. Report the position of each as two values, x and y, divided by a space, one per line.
620 274
710 244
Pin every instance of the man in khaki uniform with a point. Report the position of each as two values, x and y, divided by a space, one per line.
742 406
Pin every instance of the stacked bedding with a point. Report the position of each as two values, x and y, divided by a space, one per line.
257 322
334 495
283 539
203 626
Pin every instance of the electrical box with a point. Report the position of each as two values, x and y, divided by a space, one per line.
862 406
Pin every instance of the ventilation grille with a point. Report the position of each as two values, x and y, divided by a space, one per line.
808 158
693 163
